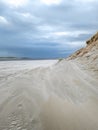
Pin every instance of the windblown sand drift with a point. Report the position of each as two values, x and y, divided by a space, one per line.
63 96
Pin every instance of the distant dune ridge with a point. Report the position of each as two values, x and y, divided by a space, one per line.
51 95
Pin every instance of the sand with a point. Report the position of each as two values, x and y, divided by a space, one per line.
47 95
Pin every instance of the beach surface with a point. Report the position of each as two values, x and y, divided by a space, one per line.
47 95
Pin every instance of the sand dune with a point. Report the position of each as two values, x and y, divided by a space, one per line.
62 96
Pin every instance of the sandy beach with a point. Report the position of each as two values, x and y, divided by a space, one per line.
47 95
48 65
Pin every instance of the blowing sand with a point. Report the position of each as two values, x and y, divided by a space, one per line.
46 95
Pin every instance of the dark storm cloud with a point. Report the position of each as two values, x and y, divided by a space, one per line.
42 26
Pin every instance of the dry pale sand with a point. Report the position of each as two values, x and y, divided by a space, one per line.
53 97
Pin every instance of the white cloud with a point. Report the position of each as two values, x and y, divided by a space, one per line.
77 44
61 33
86 1
73 34
3 20
15 3
50 2
45 28
24 15
27 17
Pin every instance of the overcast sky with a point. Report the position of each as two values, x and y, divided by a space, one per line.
46 28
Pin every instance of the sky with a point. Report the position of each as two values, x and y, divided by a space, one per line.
46 28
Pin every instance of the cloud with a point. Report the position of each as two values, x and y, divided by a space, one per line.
15 3
50 2
74 34
3 20
86 1
46 24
